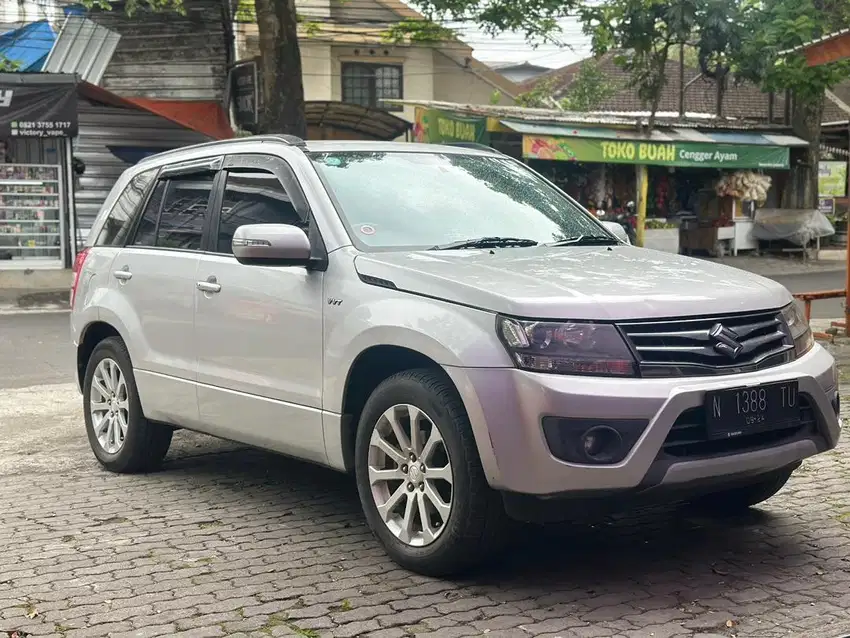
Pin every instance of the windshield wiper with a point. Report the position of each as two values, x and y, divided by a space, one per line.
486 242
586 240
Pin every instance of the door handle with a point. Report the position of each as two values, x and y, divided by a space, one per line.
123 275
210 285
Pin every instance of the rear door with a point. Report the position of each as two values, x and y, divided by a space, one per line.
154 275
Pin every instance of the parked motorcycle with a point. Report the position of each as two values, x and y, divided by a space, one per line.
627 219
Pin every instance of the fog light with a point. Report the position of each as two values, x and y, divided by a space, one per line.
602 443
592 441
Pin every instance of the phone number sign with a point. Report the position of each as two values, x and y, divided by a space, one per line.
37 106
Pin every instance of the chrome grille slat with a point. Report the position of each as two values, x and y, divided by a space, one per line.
678 347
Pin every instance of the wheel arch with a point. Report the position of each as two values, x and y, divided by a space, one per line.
369 369
93 334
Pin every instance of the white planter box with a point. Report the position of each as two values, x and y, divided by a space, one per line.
666 239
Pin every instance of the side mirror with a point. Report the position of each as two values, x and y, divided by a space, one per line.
618 231
271 245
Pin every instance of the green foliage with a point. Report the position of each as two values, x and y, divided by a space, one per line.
131 7
589 89
647 31
9 66
535 18
411 30
774 26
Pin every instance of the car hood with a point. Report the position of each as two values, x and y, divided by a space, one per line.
576 282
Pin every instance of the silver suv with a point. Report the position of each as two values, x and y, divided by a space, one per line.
446 325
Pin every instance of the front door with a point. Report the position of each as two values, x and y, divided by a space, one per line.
155 274
259 328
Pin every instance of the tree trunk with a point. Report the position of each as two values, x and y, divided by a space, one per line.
280 66
801 189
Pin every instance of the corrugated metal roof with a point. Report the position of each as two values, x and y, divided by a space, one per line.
83 47
380 124
667 135
29 45
806 45
626 119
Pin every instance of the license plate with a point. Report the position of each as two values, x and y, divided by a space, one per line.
743 411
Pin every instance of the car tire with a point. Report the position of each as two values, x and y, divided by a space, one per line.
131 443
741 498
475 526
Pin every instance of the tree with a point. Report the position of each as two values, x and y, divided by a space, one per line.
643 33
773 27
588 90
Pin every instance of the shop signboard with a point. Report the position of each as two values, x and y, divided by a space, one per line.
37 107
244 94
826 205
832 179
682 154
439 127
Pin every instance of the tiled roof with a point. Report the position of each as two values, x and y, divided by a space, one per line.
742 100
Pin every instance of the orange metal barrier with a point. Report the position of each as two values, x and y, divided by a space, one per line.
808 297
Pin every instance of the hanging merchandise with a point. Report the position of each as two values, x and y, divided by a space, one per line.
745 185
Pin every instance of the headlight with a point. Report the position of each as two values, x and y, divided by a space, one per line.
799 329
567 348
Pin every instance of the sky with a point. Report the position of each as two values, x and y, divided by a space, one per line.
512 47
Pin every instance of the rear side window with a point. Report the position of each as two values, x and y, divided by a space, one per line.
146 232
120 220
184 209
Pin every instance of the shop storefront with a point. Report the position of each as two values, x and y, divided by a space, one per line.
701 196
38 118
699 188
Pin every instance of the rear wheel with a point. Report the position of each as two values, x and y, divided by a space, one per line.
120 436
741 498
419 477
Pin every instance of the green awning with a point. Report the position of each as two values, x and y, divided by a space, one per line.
665 135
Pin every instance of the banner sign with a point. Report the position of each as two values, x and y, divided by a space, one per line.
244 93
832 179
32 107
438 127
683 154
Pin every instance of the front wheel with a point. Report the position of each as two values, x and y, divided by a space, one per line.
120 436
419 477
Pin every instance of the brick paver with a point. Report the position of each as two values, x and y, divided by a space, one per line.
234 542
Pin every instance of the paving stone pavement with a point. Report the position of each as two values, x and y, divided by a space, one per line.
227 541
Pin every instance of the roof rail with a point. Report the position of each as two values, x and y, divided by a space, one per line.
475 145
290 140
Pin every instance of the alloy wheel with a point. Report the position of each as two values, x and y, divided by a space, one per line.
410 475
109 406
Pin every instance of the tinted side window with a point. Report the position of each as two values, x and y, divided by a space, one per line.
181 222
120 220
253 197
146 232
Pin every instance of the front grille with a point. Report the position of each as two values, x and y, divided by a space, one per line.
688 347
689 436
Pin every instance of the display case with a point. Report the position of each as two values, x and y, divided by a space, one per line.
30 213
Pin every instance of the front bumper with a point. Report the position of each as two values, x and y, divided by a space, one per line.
506 408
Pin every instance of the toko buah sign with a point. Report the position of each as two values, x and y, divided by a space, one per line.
683 154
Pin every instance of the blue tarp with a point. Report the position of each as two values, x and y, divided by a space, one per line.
28 46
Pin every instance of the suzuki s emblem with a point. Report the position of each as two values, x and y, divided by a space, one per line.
725 340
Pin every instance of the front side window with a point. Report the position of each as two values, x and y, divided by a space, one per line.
420 200
370 84
184 208
253 197
120 220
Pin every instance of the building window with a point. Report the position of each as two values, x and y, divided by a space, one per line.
371 84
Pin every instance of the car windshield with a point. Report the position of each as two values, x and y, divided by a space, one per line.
426 199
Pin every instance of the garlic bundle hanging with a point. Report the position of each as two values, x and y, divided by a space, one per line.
745 185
